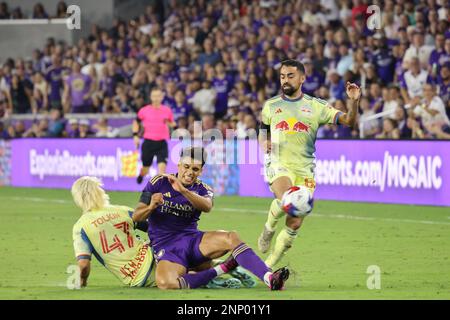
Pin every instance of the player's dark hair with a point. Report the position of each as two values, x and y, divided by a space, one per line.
294 63
196 153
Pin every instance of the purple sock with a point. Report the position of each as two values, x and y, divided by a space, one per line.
248 259
195 280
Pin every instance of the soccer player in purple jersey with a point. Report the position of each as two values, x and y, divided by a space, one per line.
172 205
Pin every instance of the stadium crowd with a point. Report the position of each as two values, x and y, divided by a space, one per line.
217 62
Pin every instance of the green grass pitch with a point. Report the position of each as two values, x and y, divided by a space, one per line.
336 245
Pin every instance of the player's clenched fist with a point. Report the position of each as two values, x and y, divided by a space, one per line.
157 200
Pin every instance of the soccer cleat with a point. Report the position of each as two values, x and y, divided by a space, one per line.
221 283
229 264
264 239
278 278
247 280
139 179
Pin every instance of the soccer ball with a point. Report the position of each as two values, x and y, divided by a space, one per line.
297 201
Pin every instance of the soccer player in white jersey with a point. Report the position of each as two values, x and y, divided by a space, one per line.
288 135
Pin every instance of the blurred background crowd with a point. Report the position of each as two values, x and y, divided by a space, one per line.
217 61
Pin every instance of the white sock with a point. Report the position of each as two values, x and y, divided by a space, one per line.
267 278
268 227
219 270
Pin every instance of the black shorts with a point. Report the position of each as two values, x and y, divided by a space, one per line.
152 148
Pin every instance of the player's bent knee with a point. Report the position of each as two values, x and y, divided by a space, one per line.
233 239
165 284
294 223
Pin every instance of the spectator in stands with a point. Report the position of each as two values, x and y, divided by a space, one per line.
92 63
413 80
85 129
418 49
17 13
401 117
416 128
204 99
369 127
3 131
443 85
251 127
109 107
121 99
169 94
103 130
222 84
336 84
110 79
21 92
431 110
73 131
313 79
392 102
4 11
375 97
61 10
181 108
40 89
78 91
5 107
39 12
390 130
208 56
208 123
382 59
437 56
17 129
56 125
39 129
345 59
54 77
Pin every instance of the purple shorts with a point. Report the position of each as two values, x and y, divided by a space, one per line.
183 249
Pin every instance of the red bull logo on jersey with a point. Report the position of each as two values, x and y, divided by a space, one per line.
292 125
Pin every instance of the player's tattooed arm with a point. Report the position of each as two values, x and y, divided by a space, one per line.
143 210
85 270
353 93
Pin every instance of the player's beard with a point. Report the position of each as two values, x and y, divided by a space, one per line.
288 90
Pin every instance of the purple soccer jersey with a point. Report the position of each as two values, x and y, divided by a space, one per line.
54 77
176 215
79 86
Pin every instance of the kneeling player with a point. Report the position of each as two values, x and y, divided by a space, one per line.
172 204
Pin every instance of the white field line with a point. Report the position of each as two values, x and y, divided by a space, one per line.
333 216
40 200
347 217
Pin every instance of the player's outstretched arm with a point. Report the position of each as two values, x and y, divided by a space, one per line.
143 210
85 270
353 93
264 138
